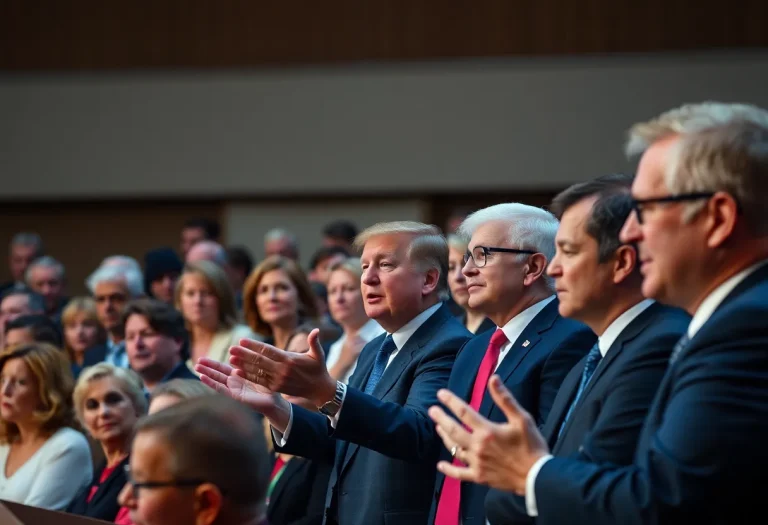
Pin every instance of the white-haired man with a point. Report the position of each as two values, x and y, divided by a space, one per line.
375 430
532 347
701 229
281 242
112 287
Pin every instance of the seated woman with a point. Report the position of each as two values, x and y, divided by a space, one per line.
44 461
84 338
175 391
345 301
108 402
297 486
206 300
475 322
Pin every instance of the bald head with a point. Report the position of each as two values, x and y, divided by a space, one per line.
207 251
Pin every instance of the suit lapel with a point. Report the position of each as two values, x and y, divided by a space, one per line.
293 465
471 364
562 403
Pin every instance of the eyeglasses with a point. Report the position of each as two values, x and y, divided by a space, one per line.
159 484
479 254
639 204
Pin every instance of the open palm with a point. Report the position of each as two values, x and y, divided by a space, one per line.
225 380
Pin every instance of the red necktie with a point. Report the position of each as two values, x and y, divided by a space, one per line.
449 505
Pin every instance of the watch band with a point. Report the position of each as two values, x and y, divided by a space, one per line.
332 407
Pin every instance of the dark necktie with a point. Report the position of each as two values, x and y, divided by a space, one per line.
593 359
380 364
681 343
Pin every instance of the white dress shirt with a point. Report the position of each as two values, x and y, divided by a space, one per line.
701 316
400 337
369 331
517 324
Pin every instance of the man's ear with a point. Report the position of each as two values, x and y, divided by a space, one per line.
721 218
624 263
535 268
208 503
431 280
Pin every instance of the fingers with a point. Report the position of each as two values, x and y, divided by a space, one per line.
463 411
218 387
214 365
249 347
449 430
211 374
455 471
315 349
504 398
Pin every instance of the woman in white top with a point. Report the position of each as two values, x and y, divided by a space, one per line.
44 462
205 298
345 302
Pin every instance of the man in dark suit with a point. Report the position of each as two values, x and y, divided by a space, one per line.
375 430
602 403
702 236
531 347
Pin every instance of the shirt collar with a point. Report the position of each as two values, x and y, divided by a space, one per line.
618 325
717 296
404 333
517 324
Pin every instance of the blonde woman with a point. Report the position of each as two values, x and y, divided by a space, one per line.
84 338
108 401
474 321
345 302
277 298
44 461
205 298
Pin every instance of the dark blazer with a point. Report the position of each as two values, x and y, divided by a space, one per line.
180 371
385 447
104 505
532 370
299 495
606 422
94 355
701 456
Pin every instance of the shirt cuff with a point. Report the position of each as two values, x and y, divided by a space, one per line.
530 486
335 419
282 438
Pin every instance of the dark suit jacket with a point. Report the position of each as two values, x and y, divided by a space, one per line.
701 456
606 422
299 495
181 371
385 447
533 370
104 505
94 355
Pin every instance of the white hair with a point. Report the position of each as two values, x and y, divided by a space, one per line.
208 251
530 228
46 261
277 234
28 239
121 261
130 276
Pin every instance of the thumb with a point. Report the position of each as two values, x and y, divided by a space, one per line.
504 398
315 349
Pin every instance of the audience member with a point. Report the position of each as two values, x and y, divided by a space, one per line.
45 275
476 322
340 233
24 248
162 268
32 328
44 462
175 391
241 263
281 242
198 229
108 402
124 262
203 461
323 260
15 303
84 337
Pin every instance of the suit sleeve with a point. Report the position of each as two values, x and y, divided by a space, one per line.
315 510
558 365
402 432
707 455
310 437
506 508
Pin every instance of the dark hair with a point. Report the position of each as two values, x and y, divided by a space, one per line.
326 252
239 257
216 439
163 318
209 226
43 329
36 301
342 230
609 212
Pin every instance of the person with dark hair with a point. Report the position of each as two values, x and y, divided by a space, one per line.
156 342
25 247
241 266
17 302
325 258
32 328
340 233
162 268
207 459
602 403
198 229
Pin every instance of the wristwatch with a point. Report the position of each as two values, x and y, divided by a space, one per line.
331 408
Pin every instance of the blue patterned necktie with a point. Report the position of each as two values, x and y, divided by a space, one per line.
593 359
681 343
380 364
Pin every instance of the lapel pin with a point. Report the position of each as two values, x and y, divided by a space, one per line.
526 343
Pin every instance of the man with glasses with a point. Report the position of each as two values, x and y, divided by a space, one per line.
701 455
202 461
533 348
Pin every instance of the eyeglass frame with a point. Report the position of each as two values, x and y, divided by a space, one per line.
682 197
492 249
158 484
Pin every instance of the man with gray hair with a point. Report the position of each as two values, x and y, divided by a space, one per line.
281 242
701 230
24 248
112 287
45 275
375 430
532 347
